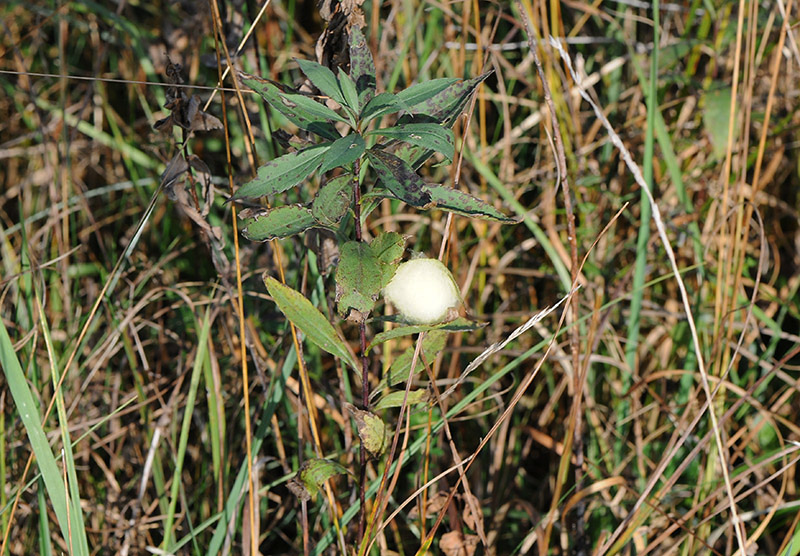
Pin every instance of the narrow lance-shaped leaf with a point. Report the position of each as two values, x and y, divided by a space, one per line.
395 399
333 201
427 135
349 91
446 114
283 173
323 79
448 103
399 178
384 103
458 325
454 200
279 222
309 320
311 106
273 93
343 152
432 344
362 66
421 92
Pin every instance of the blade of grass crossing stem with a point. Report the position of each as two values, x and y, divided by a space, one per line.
522 212
29 413
640 266
75 516
234 502
191 398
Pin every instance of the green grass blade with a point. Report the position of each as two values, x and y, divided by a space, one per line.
29 413
191 398
76 523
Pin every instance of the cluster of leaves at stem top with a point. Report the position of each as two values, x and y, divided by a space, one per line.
428 111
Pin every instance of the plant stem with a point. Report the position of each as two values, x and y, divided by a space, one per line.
362 330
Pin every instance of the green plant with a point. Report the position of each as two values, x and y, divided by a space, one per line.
427 111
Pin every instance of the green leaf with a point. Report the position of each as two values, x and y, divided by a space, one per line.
458 202
349 91
438 110
37 439
310 321
421 92
381 104
322 78
388 247
264 224
358 279
362 66
399 178
343 152
395 399
312 475
716 116
273 93
304 104
372 430
333 201
283 173
446 105
432 344
458 325
427 135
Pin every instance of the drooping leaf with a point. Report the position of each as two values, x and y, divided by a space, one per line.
362 66
343 152
388 247
310 321
274 93
283 173
399 178
333 201
421 92
312 475
384 103
371 430
428 135
358 278
460 324
322 78
458 202
395 399
349 92
263 224
432 344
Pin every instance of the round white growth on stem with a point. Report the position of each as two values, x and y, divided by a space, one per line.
422 291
